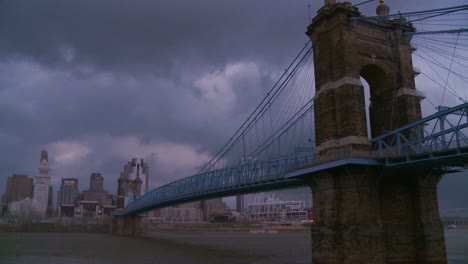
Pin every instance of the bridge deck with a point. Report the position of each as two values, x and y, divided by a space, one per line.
409 148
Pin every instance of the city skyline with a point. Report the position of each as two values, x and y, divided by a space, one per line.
32 178
234 131
148 81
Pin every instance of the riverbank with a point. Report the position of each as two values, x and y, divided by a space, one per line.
54 228
167 228
203 228
227 230
465 227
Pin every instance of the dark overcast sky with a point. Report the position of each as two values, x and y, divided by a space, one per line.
96 83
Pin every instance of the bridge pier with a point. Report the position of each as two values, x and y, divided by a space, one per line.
365 216
128 225
347 227
413 231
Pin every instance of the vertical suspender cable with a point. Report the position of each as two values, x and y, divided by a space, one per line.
450 68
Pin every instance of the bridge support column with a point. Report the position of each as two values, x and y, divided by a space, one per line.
367 216
430 238
410 214
347 227
128 225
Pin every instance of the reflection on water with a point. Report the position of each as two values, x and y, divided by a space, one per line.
456 241
170 248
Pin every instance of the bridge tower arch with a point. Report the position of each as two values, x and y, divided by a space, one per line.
345 50
367 214
377 79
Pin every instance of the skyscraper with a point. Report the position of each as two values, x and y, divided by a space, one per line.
18 187
96 190
50 205
67 197
96 183
68 192
133 182
137 168
41 188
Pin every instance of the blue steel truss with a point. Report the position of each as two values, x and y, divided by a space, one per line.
439 138
244 178
436 137
283 123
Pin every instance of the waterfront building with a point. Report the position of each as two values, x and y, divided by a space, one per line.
96 203
69 192
179 214
67 197
92 211
206 210
50 205
277 212
132 183
18 187
96 182
41 187
24 208
96 191
214 209
137 168
239 203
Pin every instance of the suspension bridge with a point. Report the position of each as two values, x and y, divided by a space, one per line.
354 159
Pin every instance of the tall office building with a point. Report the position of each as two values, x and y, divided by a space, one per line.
18 187
41 187
67 197
50 205
96 182
68 192
239 203
133 182
137 168
95 203
96 190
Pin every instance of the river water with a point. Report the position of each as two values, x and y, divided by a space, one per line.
70 248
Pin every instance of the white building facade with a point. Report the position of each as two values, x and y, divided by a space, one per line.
137 169
277 212
186 215
41 187
23 208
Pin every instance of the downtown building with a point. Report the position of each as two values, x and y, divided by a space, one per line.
67 197
212 210
180 214
137 168
42 188
275 211
18 187
96 190
25 199
94 204
24 208
132 182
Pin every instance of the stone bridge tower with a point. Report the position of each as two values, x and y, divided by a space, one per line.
367 214
346 50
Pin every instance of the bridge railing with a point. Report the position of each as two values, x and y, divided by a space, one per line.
442 131
221 179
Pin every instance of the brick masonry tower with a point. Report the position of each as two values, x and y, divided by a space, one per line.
367 214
